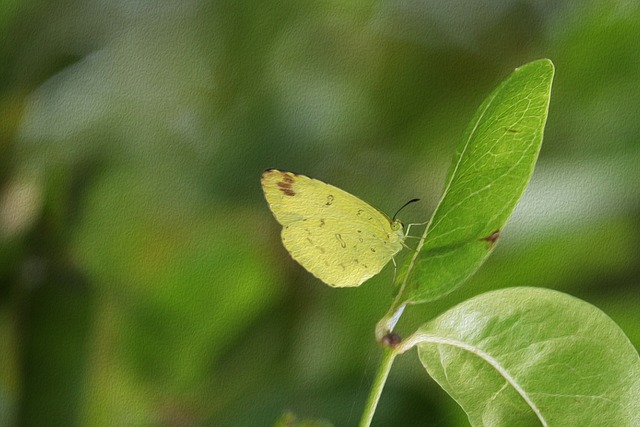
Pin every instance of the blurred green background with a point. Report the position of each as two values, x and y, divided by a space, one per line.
142 277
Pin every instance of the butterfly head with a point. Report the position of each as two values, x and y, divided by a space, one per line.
395 223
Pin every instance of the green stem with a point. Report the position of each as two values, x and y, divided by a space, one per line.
378 385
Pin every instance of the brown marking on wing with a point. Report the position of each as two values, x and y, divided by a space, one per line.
285 185
288 191
287 178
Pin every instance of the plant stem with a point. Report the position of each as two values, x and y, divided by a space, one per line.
376 388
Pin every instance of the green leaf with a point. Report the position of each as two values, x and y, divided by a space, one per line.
490 170
531 356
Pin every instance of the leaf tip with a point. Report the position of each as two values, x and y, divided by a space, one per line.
543 64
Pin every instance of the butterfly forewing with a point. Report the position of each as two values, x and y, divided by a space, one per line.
337 237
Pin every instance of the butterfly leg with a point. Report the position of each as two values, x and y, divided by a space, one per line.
395 269
412 224
407 247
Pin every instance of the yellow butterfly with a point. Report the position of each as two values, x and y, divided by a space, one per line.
337 237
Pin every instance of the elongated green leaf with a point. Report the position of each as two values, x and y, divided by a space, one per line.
489 173
531 356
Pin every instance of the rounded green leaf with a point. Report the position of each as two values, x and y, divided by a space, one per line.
490 170
531 356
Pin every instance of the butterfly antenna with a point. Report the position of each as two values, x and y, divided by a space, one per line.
402 207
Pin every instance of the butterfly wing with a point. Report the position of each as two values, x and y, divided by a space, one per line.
337 237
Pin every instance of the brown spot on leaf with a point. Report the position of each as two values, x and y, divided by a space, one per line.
492 238
512 130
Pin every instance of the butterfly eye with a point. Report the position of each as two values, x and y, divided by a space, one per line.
396 225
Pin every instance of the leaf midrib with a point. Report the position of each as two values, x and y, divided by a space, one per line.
472 134
421 338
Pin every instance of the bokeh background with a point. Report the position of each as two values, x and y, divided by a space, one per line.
142 278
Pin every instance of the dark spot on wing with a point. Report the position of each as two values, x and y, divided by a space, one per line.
310 241
321 222
373 250
330 199
285 185
287 178
342 242
359 213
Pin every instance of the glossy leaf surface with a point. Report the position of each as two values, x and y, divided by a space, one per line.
531 356
490 170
